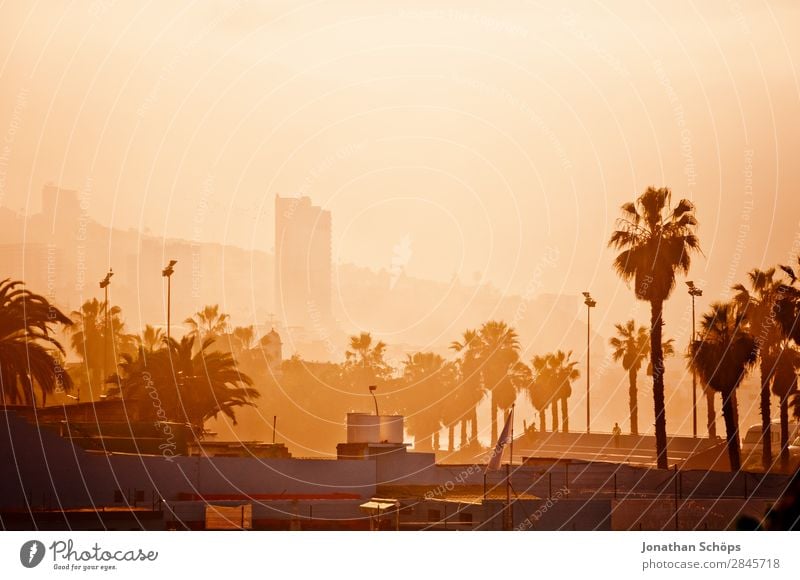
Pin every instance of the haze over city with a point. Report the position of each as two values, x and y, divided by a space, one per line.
326 199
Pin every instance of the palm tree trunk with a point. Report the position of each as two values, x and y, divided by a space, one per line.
766 435
436 441
731 429
785 430
494 420
451 436
657 358
711 414
542 420
554 415
564 415
633 396
463 433
474 424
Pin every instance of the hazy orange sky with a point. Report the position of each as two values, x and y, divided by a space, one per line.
476 137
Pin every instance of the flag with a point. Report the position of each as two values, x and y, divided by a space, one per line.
502 441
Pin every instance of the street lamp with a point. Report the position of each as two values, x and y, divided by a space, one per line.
167 273
590 303
372 389
104 283
694 292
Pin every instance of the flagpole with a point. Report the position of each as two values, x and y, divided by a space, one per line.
509 512
511 447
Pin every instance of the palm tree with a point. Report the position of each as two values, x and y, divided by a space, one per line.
365 361
656 242
784 386
540 391
499 351
207 323
97 348
151 338
721 359
191 383
470 389
554 374
30 357
631 347
245 335
430 380
565 372
758 304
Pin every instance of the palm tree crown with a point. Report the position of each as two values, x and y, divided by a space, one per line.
29 355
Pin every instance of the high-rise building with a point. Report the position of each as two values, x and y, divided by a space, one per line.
302 264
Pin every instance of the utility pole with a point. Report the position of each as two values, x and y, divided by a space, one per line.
167 273
694 292
104 283
590 303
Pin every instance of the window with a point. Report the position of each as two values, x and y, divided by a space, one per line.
434 515
119 497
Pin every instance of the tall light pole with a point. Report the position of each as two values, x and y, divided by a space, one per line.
694 292
167 273
372 389
590 303
104 286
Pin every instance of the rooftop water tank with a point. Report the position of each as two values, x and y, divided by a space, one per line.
391 429
363 428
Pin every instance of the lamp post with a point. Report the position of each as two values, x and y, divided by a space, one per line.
694 292
167 273
104 283
372 389
590 303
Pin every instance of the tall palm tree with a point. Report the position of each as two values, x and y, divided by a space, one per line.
499 352
207 323
631 346
30 357
656 242
430 380
97 345
566 373
758 303
193 384
721 358
784 386
470 389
